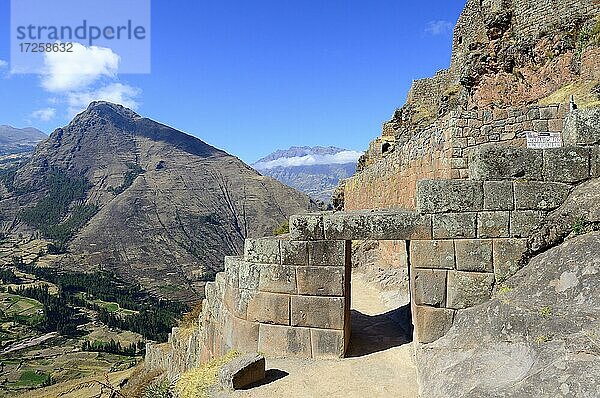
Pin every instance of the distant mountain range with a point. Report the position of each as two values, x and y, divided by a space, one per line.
315 171
120 192
14 140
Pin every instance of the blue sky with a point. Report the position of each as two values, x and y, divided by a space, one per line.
251 77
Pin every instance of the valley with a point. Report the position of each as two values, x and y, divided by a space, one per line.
59 327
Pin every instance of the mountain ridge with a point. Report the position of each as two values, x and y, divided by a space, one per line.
168 206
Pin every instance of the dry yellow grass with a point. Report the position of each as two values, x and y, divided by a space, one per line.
582 91
196 383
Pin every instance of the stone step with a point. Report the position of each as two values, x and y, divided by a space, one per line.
570 164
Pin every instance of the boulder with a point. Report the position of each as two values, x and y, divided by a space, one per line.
537 338
242 371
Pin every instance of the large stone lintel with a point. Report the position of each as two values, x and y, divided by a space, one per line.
352 225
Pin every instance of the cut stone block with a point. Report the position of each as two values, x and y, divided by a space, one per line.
244 335
454 225
321 281
467 289
431 323
242 371
523 223
307 227
498 195
493 162
582 127
377 225
442 196
327 344
432 254
327 252
236 300
248 275
429 287
284 341
294 252
474 255
318 312
568 164
269 308
277 278
533 195
232 270
262 250
507 257
493 224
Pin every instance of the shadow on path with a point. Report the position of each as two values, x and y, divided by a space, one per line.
271 376
375 333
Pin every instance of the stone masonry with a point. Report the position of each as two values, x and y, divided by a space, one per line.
289 296
441 150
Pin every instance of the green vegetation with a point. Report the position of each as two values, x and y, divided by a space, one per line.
505 289
128 179
542 339
159 389
48 215
546 312
282 229
114 347
583 226
147 315
34 379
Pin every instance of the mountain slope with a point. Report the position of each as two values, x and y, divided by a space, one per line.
315 171
14 140
166 206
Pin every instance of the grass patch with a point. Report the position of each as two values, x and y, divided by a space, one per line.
583 92
31 378
196 383
282 229
546 312
505 289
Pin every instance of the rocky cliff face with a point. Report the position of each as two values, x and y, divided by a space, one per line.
168 206
316 171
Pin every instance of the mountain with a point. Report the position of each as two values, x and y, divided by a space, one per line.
14 140
315 171
154 205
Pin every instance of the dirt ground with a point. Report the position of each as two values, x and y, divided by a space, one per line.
379 363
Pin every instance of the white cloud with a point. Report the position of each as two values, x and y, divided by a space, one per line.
438 28
116 92
3 63
311 160
85 75
64 72
44 115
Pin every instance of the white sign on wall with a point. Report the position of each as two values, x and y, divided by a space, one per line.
543 140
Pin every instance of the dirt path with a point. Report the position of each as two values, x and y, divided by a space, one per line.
380 362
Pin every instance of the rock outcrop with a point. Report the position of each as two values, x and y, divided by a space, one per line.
537 338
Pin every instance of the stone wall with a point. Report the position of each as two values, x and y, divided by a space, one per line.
441 151
283 298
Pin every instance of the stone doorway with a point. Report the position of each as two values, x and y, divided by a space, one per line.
379 297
